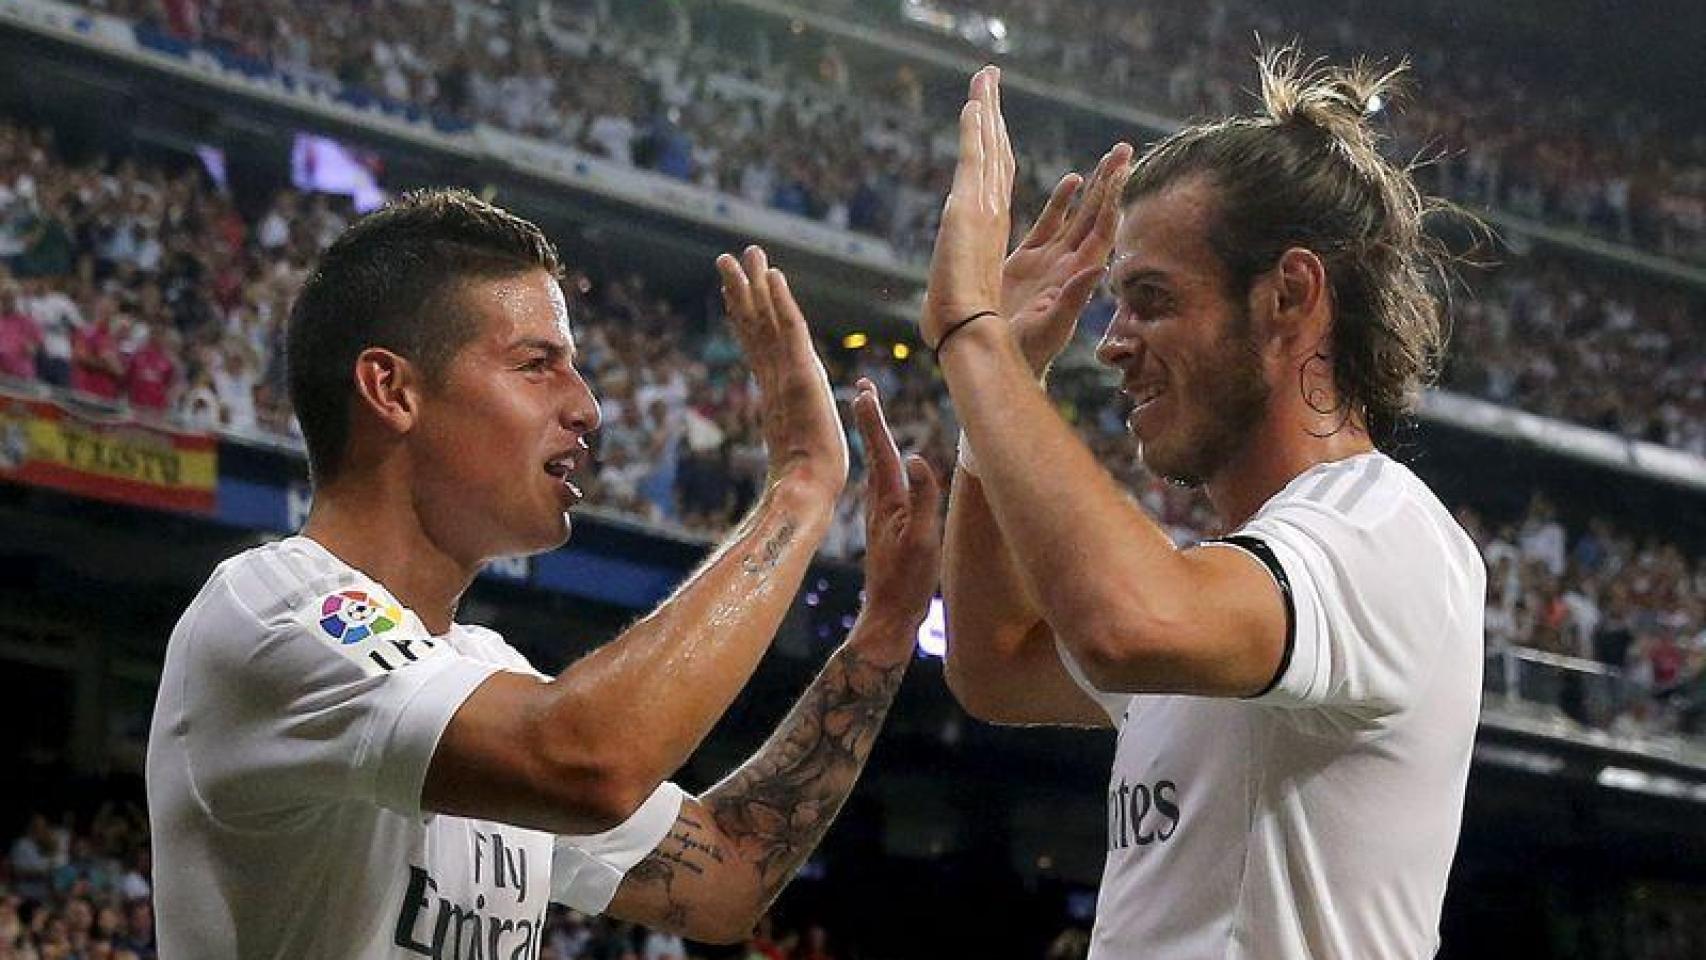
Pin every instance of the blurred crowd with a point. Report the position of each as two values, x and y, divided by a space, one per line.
1514 124
1597 595
82 889
800 134
1621 356
800 129
640 94
131 285
73 890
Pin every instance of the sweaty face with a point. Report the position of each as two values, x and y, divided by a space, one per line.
1181 341
502 433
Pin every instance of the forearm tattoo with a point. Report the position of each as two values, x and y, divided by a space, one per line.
685 852
777 806
770 553
772 811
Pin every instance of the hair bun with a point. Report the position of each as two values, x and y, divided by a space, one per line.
1336 100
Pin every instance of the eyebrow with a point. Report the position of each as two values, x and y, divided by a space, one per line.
1123 283
551 348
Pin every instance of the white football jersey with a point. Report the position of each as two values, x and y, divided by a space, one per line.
298 711
1319 818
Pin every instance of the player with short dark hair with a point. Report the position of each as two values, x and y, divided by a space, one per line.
1296 699
339 769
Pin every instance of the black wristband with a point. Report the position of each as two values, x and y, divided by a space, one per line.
961 325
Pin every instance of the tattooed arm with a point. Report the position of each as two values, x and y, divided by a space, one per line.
733 849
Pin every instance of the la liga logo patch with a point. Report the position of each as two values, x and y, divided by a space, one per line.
351 616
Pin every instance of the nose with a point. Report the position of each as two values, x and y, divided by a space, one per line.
1120 345
580 411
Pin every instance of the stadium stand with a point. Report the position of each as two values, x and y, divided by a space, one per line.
1598 163
1543 135
189 329
705 115
156 290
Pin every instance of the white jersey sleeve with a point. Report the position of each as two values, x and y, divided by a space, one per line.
306 683
1363 555
1115 705
587 868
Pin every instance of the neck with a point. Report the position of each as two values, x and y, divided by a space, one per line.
1275 454
379 533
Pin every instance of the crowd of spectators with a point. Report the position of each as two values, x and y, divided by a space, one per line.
74 890
1515 125
82 889
1616 355
1634 606
801 130
124 283
640 95
1542 338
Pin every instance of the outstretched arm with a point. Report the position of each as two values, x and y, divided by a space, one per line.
733 849
1137 614
1002 665
578 754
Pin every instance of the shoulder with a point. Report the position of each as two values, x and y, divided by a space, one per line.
1361 492
288 605
279 583
1371 515
486 644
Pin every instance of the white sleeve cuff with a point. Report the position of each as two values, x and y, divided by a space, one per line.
587 869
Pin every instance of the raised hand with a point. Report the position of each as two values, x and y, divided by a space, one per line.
802 433
903 524
965 268
1047 280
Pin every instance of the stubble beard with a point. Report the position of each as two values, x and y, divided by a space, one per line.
1225 411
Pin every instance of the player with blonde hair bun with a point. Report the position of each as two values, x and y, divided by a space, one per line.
1297 698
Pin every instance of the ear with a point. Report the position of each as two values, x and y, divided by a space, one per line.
1302 302
388 387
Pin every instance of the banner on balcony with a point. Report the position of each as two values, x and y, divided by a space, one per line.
105 455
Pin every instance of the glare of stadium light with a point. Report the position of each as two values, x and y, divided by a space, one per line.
854 341
1623 778
998 28
902 351
933 632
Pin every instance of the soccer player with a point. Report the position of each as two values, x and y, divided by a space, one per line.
338 769
1297 699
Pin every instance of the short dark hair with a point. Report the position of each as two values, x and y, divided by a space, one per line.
390 280
1307 172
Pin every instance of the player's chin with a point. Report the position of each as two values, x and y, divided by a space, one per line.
548 532
559 532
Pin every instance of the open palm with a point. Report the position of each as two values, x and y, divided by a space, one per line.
1047 279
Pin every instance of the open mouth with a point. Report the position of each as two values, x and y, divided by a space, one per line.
562 467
